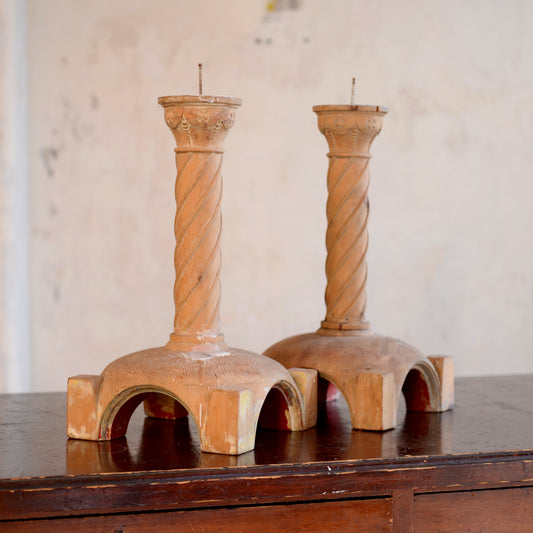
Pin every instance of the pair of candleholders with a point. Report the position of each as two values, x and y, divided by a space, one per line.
228 391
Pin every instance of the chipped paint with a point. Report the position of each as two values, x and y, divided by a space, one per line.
245 403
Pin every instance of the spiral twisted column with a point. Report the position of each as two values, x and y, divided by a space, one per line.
199 125
349 131
227 391
370 370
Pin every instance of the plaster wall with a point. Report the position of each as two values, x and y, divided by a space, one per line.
15 356
450 257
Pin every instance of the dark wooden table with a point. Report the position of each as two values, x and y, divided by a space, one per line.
466 470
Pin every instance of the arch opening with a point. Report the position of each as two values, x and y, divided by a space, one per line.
281 409
333 408
161 405
421 390
158 403
327 390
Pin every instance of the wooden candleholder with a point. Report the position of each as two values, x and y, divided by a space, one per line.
227 391
370 370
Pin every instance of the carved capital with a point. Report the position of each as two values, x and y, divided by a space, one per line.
199 122
348 129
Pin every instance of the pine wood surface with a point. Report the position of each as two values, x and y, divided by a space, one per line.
432 471
224 389
370 369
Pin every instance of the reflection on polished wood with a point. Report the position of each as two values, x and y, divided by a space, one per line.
158 469
33 442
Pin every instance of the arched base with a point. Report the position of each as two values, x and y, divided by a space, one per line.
371 370
223 390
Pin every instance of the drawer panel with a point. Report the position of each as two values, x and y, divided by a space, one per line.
373 516
499 510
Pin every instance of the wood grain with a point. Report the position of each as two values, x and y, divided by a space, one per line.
159 467
359 516
371 370
223 389
494 511
350 131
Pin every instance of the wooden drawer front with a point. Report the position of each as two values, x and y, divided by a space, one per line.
354 516
499 510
